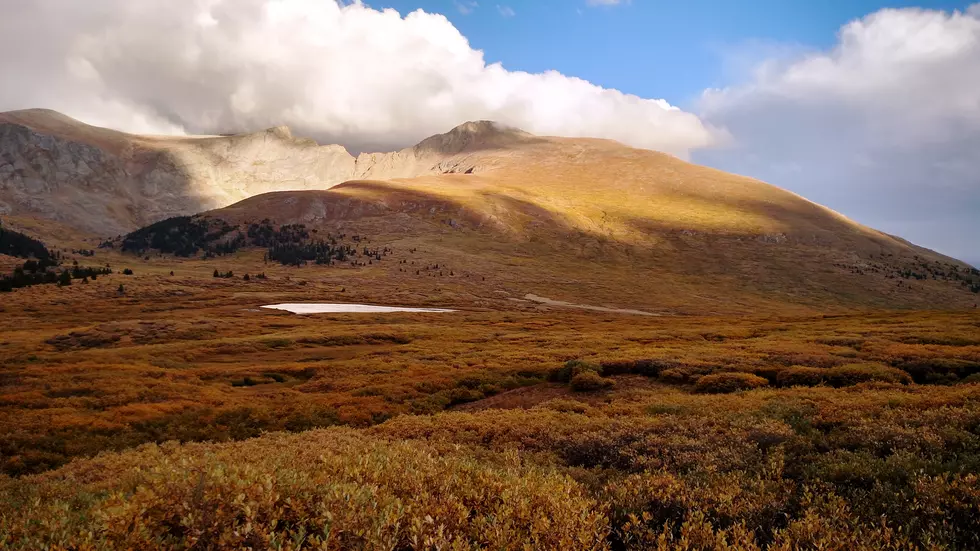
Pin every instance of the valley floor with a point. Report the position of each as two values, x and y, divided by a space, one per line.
460 431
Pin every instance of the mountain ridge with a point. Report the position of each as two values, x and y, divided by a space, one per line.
52 164
564 218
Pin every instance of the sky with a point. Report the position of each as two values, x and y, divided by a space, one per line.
871 108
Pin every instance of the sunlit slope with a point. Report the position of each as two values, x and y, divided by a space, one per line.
587 218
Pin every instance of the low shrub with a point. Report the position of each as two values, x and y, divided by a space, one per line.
938 370
972 379
674 376
588 381
767 372
645 367
800 375
572 368
852 374
724 383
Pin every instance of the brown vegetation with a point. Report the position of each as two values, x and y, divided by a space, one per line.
863 433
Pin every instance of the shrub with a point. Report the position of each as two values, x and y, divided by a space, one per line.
799 375
975 378
646 367
724 383
939 370
768 372
462 395
127 271
674 376
588 381
852 374
572 368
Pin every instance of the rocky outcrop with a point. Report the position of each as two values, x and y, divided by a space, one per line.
107 182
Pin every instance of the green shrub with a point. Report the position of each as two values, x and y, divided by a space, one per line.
724 383
852 374
799 375
588 381
572 368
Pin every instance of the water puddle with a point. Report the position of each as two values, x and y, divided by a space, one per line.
334 308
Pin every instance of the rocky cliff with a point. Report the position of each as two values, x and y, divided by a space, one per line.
106 182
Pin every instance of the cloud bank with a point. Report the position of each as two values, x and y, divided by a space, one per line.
885 127
347 74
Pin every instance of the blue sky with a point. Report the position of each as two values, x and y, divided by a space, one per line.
652 48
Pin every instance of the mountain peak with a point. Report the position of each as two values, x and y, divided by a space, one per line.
474 135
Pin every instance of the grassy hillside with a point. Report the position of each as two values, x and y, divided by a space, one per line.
580 220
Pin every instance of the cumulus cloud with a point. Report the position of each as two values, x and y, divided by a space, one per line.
885 127
339 72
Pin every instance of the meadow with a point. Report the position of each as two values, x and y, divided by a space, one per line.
507 425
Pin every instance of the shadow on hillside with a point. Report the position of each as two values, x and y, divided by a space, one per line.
127 183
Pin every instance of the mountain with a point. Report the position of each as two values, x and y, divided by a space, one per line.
595 222
106 182
577 220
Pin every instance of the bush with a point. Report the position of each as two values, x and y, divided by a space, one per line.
975 378
127 271
724 383
852 374
939 370
646 367
588 381
572 368
674 376
799 375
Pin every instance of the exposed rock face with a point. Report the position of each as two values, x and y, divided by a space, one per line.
108 182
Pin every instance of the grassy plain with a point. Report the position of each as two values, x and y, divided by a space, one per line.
451 431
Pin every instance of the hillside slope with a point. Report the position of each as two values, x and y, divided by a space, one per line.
583 220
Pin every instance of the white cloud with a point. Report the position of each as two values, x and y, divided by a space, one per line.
606 2
884 127
341 73
506 11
